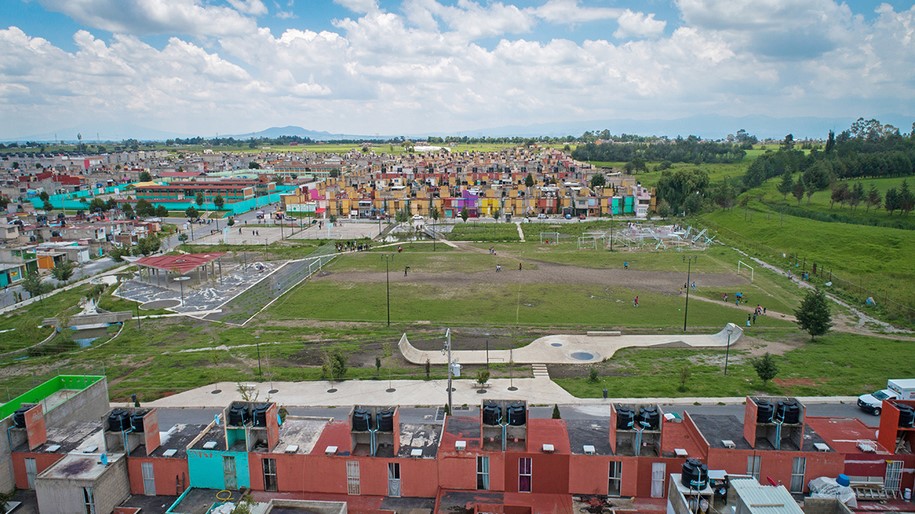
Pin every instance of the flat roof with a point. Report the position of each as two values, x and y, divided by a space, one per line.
593 432
302 432
79 467
77 436
45 391
763 499
177 438
423 437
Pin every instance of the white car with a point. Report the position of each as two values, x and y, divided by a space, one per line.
541 216
417 218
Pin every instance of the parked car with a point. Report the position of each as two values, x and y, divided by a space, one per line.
541 216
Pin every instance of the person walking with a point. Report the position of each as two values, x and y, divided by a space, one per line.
635 301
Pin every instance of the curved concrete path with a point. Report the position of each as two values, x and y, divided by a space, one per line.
569 349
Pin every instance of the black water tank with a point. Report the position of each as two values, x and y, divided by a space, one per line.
625 418
764 411
361 420
238 415
906 415
118 420
516 414
788 412
19 417
492 414
386 420
136 420
649 417
695 474
260 414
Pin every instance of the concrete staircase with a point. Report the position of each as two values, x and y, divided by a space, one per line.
540 371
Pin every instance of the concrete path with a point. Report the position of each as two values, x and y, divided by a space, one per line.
570 349
536 391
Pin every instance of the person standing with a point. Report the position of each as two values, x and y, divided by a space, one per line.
635 301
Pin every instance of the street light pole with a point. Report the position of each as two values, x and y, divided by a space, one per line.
258 344
727 352
387 281
689 261
448 348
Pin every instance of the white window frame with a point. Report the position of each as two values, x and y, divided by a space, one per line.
893 479
754 463
615 478
269 470
529 474
798 470
483 473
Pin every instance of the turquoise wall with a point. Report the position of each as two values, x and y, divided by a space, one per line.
206 469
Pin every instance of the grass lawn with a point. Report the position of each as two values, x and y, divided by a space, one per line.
832 365
864 260
484 232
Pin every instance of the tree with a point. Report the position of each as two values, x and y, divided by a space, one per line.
857 195
830 142
434 214
145 209
839 193
482 377
891 202
254 166
199 200
556 414
813 315
128 210
465 214
786 185
765 368
788 143
145 176
219 202
798 191
402 216
873 199
63 271
97 205
192 213
598 181
33 284
334 367
593 375
905 199
182 237
529 180
161 211
147 245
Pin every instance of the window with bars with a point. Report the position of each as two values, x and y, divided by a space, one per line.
270 475
615 478
352 477
798 469
525 474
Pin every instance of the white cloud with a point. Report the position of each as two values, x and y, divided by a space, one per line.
252 7
422 68
636 24
155 16
569 11
360 6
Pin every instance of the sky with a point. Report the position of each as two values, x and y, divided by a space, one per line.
208 67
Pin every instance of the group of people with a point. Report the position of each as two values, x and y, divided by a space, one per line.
351 246
758 311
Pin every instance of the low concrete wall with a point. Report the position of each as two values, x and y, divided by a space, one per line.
90 404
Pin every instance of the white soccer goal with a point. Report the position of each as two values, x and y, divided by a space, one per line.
587 243
549 237
741 264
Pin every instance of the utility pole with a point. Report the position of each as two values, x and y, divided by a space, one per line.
448 349
689 261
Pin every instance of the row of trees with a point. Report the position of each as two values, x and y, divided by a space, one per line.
691 149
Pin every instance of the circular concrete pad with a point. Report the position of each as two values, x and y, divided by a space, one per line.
583 356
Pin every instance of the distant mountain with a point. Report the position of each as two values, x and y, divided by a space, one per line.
292 130
706 127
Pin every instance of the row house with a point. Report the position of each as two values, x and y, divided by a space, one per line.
187 191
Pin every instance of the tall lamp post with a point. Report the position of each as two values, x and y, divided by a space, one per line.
447 348
387 281
689 262
727 351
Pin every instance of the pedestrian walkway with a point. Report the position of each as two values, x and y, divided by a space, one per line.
571 348
536 391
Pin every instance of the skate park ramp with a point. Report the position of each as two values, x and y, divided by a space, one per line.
572 348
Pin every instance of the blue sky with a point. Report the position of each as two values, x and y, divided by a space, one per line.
443 66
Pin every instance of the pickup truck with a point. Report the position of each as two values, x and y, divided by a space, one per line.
896 389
